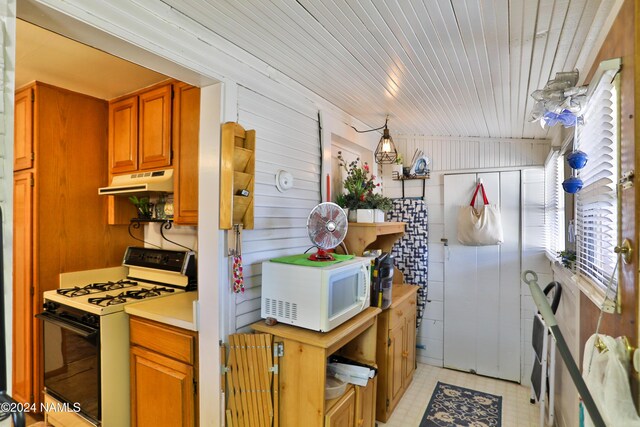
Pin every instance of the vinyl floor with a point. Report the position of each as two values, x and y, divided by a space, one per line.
516 409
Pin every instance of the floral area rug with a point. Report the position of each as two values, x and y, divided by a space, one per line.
451 406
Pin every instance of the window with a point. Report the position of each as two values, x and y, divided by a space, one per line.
597 202
554 204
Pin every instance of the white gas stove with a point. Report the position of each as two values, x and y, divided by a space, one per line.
86 331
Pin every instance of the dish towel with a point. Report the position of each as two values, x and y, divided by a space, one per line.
412 250
608 382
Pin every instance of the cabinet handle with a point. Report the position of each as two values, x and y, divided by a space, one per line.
360 422
405 354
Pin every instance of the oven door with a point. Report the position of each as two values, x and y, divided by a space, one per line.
72 363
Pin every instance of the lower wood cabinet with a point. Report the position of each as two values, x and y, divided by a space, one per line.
396 349
164 388
366 404
302 372
343 413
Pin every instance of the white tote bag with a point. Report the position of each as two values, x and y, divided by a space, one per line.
482 226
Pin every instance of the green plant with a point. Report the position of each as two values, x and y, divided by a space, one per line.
145 209
358 184
378 201
568 258
399 159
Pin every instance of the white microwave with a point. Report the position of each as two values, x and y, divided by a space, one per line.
317 298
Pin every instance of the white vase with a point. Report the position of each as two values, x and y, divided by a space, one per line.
378 215
365 215
396 171
352 215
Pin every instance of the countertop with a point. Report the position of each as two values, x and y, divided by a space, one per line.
176 310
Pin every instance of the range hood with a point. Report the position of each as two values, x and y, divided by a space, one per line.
140 183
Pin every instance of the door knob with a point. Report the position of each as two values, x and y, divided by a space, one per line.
624 249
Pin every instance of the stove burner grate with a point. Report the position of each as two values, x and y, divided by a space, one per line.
94 288
124 296
147 293
107 300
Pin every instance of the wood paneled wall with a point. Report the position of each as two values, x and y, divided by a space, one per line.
620 43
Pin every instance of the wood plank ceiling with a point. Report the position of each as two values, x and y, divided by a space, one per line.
437 67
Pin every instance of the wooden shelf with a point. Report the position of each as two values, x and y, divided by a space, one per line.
378 235
404 178
237 173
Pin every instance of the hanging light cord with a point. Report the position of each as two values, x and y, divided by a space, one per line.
371 130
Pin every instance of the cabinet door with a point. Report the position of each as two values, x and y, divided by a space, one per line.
343 413
162 390
186 130
23 129
395 366
409 351
22 351
154 140
123 135
366 404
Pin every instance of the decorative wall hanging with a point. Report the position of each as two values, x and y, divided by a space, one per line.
560 101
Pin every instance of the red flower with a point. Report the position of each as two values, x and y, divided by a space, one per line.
362 198
366 167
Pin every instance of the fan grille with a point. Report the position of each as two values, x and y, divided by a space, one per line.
327 225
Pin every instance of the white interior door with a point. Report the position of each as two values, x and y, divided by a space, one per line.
482 283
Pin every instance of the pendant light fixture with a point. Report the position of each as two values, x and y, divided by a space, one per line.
386 152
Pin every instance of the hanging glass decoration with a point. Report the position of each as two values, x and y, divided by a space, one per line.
577 160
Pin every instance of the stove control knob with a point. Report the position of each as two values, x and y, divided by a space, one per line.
50 306
90 319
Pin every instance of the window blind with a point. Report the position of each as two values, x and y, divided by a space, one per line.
554 204
596 203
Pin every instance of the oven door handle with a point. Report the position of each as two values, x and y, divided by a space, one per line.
83 331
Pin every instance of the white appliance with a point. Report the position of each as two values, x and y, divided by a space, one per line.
317 298
160 181
86 332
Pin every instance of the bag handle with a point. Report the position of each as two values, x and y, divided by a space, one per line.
475 194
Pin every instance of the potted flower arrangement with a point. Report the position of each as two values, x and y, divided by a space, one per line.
359 197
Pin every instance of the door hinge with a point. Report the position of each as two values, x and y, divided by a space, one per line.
32 182
33 155
33 99
195 386
626 180
278 349
33 292
388 342
387 403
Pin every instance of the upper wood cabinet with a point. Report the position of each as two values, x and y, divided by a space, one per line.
186 130
23 129
140 130
123 135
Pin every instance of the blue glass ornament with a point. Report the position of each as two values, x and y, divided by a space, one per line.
572 185
577 159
